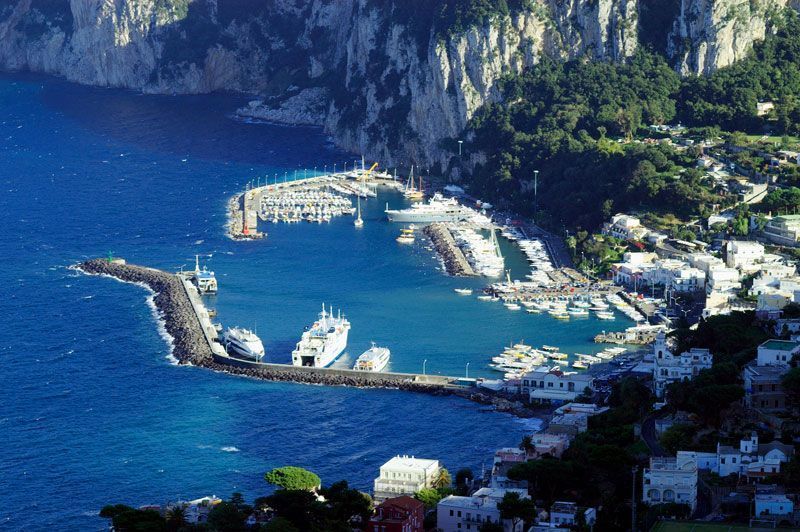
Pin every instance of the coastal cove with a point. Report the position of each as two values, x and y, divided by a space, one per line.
94 410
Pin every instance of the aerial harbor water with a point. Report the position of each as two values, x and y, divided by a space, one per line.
91 407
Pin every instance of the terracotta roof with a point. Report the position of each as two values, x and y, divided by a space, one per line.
404 501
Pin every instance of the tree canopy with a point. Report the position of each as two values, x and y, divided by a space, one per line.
293 478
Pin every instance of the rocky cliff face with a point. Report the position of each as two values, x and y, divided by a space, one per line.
381 76
711 34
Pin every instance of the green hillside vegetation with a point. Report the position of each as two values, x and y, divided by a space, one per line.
577 123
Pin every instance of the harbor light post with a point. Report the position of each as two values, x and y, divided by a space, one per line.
423 365
334 168
315 171
535 191
466 373
325 170
460 142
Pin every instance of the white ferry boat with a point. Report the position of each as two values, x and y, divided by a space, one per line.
438 209
204 280
373 359
323 342
243 343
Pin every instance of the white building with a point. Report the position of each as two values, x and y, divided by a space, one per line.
405 475
687 280
457 514
777 353
669 480
705 262
723 280
564 514
772 505
744 255
625 227
669 368
749 459
752 459
554 385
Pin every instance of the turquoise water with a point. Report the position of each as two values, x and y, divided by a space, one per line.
91 409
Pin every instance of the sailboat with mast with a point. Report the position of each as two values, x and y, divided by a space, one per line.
411 192
358 222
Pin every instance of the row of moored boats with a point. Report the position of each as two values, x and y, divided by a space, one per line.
519 359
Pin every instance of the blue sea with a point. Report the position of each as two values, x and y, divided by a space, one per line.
93 410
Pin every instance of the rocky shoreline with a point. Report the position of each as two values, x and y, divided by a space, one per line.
190 345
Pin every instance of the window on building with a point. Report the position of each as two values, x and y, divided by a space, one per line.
451 513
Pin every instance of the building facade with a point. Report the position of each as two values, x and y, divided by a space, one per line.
669 480
554 386
763 389
777 353
404 475
459 514
398 514
783 230
669 368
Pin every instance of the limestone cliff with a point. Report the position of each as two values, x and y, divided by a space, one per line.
711 34
384 77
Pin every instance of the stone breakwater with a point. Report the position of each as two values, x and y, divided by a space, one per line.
190 346
180 321
454 260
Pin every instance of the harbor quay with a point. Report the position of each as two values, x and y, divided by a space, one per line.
188 322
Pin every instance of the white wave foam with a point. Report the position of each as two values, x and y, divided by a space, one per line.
229 449
530 424
161 323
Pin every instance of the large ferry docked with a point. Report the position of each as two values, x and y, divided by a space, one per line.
438 209
323 342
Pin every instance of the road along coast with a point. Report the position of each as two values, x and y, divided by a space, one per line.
194 342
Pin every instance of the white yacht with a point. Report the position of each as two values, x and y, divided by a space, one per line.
373 359
438 209
243 342
323 342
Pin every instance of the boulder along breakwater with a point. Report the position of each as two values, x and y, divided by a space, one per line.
190 346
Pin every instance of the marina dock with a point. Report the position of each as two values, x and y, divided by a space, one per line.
313 199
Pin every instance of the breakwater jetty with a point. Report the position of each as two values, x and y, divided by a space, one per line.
453 257
195 342
189 343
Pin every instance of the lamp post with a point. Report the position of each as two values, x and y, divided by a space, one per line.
536 187
423 365
466 373
460 142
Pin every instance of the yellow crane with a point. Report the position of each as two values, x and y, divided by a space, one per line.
371 168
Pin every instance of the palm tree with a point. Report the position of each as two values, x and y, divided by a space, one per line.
527 445
442 479
176 517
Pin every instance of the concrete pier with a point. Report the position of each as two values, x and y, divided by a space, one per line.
454 260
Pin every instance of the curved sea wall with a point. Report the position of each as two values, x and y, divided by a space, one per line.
192 347
189 344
